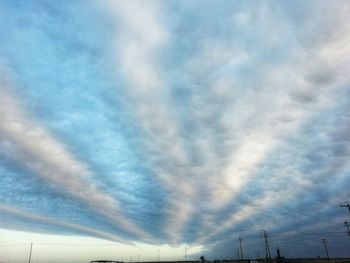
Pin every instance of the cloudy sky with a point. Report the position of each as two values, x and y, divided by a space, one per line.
139 128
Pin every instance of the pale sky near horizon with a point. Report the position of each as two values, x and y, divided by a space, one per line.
139 126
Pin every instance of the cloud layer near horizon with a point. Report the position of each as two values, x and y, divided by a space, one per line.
175 122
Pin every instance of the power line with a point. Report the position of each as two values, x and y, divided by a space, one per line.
13 245
75 244
281 235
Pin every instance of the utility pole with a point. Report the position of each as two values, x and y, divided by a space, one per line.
237 253
324 241
158 255
267 248
30 253
346 204
347 227
240 245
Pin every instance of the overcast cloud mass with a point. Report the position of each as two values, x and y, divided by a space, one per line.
177 122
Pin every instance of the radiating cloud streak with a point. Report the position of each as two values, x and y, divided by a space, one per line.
138 45
62 224
32 146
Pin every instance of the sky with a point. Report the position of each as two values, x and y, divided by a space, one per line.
136 130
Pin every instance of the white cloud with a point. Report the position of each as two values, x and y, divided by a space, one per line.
65 225
244 102
33 147
216 102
